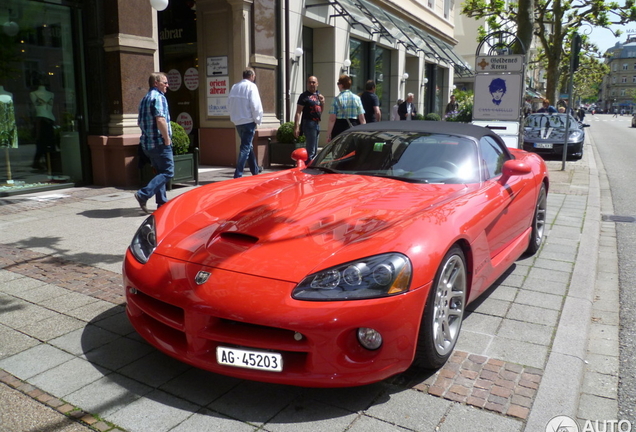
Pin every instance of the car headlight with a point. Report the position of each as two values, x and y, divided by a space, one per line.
371 277
145 241
576 136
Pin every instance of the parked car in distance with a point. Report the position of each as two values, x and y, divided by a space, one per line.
544 133
342 272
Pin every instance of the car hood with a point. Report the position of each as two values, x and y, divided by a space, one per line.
548 133
289 224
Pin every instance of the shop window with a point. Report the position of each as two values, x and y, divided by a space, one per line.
39 99
369 61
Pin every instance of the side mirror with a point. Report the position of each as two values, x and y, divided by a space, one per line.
300 156
514 167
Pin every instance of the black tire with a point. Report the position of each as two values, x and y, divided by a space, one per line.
538 222
444 312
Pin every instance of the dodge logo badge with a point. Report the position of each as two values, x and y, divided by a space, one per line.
202 277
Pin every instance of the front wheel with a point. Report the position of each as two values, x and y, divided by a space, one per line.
444 312
538 222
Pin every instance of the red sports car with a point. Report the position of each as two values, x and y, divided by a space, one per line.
344 271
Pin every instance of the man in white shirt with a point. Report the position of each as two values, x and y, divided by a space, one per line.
246 112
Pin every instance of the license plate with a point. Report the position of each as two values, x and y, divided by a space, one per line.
259 360
543 145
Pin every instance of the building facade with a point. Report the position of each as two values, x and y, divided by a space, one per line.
72 74
618 90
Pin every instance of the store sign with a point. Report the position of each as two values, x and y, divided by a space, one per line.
174 80
185 121
217 66
507 63
497 96
191 79
218 91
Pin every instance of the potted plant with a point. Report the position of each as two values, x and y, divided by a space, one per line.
186 164
185 161
280 150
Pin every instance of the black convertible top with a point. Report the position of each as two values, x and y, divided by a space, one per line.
443 127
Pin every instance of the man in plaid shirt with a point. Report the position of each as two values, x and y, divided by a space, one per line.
156 140
346 109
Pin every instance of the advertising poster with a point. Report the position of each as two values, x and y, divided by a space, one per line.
218 91
497 97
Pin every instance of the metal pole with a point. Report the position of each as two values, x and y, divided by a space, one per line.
567 111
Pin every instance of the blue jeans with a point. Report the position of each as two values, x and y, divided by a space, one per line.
311 130
162 161
246 153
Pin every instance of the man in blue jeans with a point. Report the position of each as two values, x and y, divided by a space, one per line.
246 112
308 114
156 140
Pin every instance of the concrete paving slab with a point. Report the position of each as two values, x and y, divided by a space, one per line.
108 394
369 424
53 327
199 386
208 421
154 369
13 341
118 353
253 402
67 377
411 409
157 412
310 416
520 352
84 339
33 361
469 419
526 332
533 314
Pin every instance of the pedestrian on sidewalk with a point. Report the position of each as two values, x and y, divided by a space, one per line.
156 140
371 103
346 109
308 114
246 112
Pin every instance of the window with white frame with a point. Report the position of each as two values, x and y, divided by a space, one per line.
634 79
431 3
448 5
623 92
613 80
625 65
623 80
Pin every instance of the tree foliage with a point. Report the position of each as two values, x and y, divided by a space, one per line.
553 23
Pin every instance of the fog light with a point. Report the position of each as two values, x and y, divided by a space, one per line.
369 338
132 290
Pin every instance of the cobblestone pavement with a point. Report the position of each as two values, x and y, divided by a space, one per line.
65 341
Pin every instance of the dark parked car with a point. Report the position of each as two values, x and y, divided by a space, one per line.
544 134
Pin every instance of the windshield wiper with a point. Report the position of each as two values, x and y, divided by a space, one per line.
395 177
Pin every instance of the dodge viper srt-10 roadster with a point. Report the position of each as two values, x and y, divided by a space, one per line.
343 271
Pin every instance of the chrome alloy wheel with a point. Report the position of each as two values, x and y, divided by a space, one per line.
450 301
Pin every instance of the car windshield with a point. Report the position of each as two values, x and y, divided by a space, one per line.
535 121
409 156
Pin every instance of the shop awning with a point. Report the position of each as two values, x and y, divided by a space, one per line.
374 20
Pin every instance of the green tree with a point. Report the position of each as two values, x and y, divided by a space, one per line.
553 23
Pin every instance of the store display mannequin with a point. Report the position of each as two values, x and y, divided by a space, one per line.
44 126
8 128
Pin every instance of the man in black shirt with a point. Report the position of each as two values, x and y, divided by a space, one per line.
371 103
309 107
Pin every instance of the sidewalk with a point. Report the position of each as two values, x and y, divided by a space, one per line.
67 350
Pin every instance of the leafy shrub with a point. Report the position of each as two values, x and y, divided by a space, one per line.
432 117
465 112
285 134
180 139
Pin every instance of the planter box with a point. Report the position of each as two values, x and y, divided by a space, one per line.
280 153
186 168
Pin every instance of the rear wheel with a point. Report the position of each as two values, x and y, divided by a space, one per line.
444 312
538 222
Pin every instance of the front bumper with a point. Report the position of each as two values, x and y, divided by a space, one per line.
188 321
